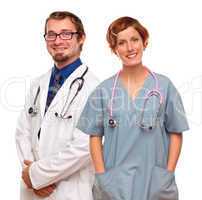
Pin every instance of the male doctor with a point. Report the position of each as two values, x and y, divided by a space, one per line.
54 154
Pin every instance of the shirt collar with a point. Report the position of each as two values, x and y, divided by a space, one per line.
66 71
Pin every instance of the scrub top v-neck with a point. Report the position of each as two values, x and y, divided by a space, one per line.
135 160
132 99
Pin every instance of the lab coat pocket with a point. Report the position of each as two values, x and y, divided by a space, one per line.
163 186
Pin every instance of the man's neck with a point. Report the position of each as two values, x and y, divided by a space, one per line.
61 65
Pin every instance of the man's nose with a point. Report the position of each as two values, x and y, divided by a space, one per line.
58 40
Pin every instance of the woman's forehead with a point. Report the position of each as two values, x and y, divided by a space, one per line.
128 32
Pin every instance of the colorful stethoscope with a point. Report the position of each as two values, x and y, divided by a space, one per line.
154 92
80 80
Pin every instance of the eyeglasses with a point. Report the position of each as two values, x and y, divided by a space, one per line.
63 35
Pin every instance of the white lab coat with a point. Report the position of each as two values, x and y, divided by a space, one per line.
61 155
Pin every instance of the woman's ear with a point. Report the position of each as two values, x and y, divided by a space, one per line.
145 44
116 52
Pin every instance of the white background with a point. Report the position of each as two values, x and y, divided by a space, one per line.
174 50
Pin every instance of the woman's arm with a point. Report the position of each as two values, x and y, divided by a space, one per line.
174 150
96 153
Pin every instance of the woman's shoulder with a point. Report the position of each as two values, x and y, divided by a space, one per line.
104 87
166 84
107 83
163 79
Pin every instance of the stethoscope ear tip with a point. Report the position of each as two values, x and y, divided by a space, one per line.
56 114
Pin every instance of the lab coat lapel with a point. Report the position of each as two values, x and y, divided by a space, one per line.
44 84
62 94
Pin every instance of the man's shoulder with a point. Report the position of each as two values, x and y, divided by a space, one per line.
41 77
91 81
91 77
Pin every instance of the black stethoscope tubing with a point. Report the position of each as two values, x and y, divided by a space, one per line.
33 110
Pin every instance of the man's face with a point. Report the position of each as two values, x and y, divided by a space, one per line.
63 51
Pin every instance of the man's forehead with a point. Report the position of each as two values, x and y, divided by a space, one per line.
60 24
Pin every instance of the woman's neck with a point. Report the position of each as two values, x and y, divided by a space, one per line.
134 73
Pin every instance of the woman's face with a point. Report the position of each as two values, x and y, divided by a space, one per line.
130 47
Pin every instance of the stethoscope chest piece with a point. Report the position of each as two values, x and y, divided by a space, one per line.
112 123
144 127
33 111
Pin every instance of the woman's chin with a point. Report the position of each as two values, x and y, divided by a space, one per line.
132 64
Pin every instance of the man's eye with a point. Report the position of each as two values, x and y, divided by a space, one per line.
66 33
51 34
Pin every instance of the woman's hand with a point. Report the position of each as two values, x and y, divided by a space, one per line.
174 150
96 153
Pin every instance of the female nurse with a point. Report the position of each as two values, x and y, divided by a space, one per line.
141 117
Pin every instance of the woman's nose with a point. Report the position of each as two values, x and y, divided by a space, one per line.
130 46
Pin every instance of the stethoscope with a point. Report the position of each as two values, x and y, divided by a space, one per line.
154 92
80 80
33 109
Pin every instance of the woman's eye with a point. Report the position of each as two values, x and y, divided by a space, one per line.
135 39
121 43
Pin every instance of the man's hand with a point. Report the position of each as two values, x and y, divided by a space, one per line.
25 174
45 192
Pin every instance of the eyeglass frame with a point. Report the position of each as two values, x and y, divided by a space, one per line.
59 34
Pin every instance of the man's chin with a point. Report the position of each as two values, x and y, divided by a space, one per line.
60 58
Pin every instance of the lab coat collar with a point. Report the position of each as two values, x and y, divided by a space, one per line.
63 91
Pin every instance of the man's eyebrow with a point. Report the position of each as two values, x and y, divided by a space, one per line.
69 30
50 31
62 30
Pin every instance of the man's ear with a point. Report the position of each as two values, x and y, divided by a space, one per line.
82 39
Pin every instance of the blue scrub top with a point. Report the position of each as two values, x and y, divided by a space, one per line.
135 159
